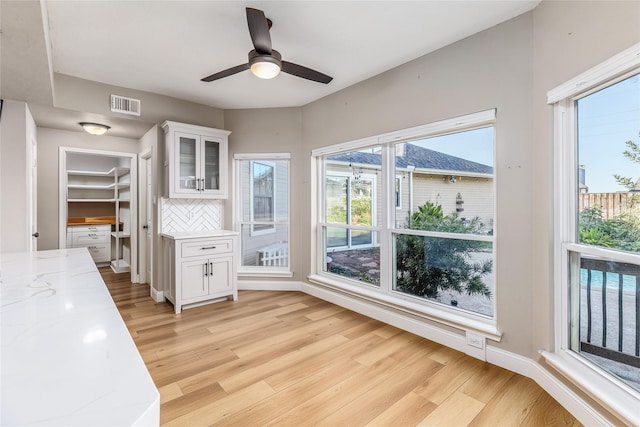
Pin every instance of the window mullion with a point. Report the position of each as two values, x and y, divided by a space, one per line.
386 250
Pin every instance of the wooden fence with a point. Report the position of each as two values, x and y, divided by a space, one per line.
612 204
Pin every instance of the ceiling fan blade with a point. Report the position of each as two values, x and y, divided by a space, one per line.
259 30
305 73
226 73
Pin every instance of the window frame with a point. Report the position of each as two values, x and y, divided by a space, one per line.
450 316
238 211
612 393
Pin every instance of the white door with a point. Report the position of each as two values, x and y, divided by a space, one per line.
33 195
145 232
149 222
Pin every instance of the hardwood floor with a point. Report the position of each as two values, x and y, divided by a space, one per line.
290 359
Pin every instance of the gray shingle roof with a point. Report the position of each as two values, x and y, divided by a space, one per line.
421 158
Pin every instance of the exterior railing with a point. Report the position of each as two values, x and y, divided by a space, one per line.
608 307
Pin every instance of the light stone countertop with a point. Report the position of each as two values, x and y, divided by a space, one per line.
67 357
200 234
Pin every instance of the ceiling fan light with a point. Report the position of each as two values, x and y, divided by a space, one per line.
94 128
265 70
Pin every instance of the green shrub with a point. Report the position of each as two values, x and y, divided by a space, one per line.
426 266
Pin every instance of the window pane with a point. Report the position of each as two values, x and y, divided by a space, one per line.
353 188
336 237
605 308
452 171
187 162
265 250
264 213
211 165
609 171
361 264
262 192
455 272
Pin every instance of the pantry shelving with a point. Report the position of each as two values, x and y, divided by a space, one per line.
99 187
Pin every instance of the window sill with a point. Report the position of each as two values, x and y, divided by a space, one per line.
429 311
617 397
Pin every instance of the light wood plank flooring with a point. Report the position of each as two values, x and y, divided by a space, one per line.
289 359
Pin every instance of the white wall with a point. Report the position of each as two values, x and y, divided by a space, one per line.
49 142
491 69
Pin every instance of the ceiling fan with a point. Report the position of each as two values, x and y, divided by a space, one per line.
264 61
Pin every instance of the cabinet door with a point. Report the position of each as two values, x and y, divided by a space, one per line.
210 164
187 161
100 253
220 275
194 279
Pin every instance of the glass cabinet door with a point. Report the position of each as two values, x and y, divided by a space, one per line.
211 159
187 148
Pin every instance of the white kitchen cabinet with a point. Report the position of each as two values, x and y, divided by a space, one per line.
96 238
199 267
196 161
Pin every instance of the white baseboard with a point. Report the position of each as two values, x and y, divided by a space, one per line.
511 361
391 317
271 285
158 296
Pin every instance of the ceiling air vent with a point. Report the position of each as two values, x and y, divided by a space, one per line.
121 104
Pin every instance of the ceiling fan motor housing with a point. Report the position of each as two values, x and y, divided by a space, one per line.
274 57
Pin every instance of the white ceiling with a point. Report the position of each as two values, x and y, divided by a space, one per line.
166 47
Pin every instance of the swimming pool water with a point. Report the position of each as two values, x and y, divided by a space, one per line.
628 282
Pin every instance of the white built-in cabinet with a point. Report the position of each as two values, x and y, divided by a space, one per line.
96 238
98 205
196 161
199 267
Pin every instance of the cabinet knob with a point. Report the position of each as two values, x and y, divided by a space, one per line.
207 247
36 234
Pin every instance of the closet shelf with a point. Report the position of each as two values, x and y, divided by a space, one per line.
91 200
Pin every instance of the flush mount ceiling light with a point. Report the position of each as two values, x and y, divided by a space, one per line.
94 128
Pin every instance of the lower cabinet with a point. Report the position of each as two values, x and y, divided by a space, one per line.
199 271
96 238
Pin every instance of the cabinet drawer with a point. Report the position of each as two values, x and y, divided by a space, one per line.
100 253
80 229
84 239
206 247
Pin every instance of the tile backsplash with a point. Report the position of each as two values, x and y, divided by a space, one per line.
190 214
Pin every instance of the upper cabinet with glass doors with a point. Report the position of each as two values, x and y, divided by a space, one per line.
196 161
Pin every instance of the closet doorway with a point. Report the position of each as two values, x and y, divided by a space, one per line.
98 206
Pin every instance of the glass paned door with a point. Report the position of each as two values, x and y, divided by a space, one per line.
336 205
361 202
211 165
187 162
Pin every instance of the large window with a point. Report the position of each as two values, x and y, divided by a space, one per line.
598 239
262 212
412 218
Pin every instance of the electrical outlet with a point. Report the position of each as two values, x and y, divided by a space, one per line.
475 340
